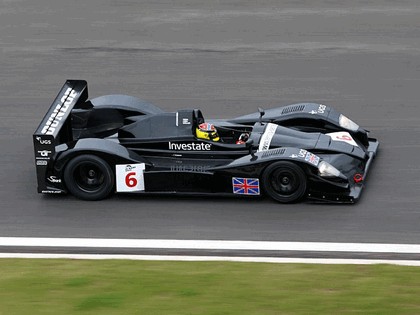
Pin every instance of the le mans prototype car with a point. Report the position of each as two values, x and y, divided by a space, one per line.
118 143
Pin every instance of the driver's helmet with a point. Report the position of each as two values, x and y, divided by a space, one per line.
207 131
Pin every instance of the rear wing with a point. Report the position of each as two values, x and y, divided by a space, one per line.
55 128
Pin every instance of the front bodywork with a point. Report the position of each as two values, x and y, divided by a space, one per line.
161 150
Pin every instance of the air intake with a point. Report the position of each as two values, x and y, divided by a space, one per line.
293 109
273 152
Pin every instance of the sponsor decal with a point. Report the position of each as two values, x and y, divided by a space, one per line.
307 156
343 136
312 158
129 168
185 121
43 141
193 146
189 168
301 154
321 110
53 179
246 186
44 153
59 111
267 136
41 163
130 177
51 191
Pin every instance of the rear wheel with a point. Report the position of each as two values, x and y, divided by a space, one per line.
89 177
285 182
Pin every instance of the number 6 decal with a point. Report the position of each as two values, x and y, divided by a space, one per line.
129 177
130 180
343 136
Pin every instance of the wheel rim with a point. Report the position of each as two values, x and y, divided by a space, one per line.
284 182
89 177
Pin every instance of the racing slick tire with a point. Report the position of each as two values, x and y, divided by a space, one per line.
89 177
285 182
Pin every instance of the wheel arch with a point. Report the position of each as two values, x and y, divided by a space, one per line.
112 152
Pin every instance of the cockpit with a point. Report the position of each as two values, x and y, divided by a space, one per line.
182 124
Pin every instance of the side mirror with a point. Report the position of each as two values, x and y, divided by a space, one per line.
262 113
249 144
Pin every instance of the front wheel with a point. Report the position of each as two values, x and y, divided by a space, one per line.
285 182
89 177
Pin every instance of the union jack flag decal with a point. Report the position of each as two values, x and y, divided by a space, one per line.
246 186
312 158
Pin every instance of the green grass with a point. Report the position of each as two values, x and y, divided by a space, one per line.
150 287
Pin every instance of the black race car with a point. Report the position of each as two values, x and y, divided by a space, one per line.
119 143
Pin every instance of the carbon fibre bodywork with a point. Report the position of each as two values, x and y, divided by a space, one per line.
161 150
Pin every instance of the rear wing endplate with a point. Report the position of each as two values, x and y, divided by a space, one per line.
55 127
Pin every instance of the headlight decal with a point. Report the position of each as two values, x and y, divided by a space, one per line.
327 170
347 123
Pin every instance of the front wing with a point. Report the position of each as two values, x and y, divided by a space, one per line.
355 189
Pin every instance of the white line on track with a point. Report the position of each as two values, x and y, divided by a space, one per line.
210 245
216 258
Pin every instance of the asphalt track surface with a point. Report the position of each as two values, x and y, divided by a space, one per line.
227 58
